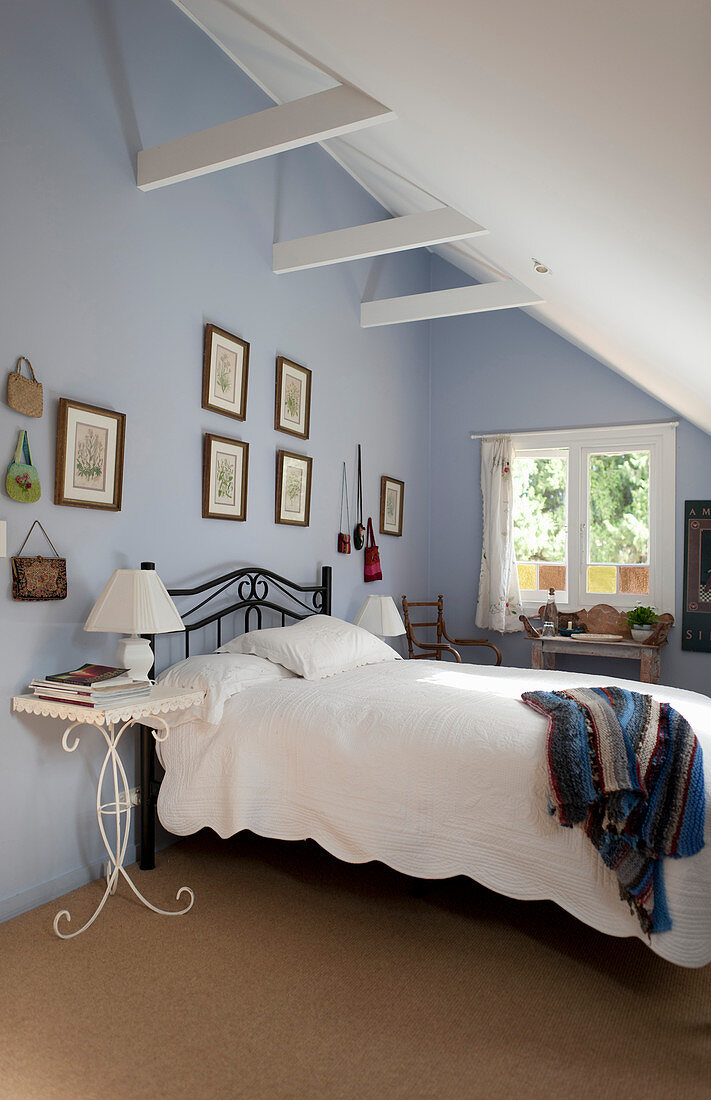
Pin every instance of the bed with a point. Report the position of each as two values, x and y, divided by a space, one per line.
434 769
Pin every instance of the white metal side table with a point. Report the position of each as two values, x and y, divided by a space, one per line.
153 711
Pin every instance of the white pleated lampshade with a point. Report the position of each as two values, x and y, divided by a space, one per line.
380 616
134 601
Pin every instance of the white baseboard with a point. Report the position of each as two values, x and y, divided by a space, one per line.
57 887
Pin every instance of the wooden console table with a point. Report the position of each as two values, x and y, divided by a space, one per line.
601 619
544 650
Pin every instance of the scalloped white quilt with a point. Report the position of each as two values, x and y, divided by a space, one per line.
433 769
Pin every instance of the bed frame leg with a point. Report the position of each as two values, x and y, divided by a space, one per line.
149 796
148 802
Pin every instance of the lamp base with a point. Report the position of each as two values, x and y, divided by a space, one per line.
135 654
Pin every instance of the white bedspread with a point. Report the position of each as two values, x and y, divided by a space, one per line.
433 769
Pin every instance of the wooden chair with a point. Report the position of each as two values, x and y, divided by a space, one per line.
439 647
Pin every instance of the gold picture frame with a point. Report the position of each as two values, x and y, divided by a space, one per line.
225 373
292 404
225 466
90 453
392 497
293 489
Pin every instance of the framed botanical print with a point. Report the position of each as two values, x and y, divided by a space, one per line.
224 478
293 489
225 366
292 412
392 494
90 446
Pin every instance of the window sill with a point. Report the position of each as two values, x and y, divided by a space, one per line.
531 609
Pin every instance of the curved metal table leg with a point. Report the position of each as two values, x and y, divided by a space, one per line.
120 810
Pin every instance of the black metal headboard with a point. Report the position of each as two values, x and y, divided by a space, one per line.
250 590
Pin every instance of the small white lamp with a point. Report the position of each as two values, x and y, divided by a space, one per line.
134 602
380 616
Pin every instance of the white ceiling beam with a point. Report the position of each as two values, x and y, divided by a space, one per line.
447 303
375 239
337 111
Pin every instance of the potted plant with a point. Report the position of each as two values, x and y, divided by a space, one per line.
642 621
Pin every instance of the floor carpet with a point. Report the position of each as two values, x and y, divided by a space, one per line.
298 976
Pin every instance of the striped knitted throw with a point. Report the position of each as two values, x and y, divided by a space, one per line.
629 771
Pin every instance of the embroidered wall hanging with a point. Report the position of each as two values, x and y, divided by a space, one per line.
696 616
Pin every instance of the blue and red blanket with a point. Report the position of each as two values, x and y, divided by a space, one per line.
629 771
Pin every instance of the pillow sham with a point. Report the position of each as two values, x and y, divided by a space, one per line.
220 675
318 646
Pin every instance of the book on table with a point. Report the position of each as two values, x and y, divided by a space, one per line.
95 704
89 676
92 686
104 699
100 691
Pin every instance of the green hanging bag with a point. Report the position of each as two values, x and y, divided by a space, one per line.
22 481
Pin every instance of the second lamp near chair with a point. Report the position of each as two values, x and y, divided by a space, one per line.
436 649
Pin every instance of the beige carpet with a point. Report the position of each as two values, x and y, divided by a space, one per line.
299 976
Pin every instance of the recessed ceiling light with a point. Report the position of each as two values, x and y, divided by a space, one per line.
539 267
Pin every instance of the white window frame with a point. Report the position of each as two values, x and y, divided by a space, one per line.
660 441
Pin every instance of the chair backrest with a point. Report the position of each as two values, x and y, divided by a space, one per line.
409 627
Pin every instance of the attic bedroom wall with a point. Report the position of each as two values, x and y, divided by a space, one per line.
106 289
499 371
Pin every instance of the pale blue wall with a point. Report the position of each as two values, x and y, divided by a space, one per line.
499 371
106 289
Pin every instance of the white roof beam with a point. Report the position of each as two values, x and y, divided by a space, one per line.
447 303
337 111
375 239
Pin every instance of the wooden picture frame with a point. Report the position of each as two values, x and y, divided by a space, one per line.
225 371
292 404
90 453
293 489
225 465
392 497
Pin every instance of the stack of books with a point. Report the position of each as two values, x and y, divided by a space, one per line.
98 686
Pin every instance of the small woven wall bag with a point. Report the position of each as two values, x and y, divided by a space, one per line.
38 578
22 481
24 394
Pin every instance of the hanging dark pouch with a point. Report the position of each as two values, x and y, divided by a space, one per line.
344 539
359 529
38 578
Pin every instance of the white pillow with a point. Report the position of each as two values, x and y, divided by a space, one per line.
220 676
315 647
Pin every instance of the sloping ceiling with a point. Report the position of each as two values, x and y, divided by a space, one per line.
576 133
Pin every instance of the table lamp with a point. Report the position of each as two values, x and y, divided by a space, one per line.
134 602
380 616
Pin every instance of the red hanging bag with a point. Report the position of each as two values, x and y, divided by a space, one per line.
372 570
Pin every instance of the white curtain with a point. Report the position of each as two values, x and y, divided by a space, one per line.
499 601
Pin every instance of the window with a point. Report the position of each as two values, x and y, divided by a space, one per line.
594 516
541 522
